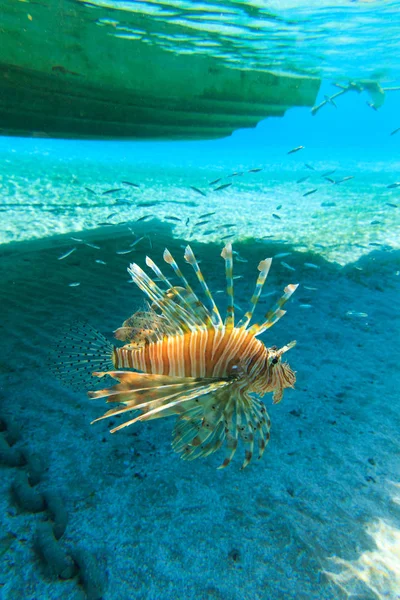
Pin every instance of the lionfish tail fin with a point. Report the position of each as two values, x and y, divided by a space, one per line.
81 349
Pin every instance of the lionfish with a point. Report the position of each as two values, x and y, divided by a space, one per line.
189 362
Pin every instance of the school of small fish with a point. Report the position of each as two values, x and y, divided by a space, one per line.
218 185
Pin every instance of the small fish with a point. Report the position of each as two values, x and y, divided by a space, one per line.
278 207
328 173
202 222
241 259
147 204
104 224
354 313
238 276
145 218
254 170
345 179
293 150
327 204
76 239
284 264
186 203
100 262
237 174
229 225
388 204
276 216
307 166
302 179
311 265
222 187
172 218
122 202
124 251
330 179
282 254
91 191
215 181
313 289
209 231
187 222
66 254
371 105
376 222
74 284
375 244
92 245
112 191
195 189
135 185
136 241
305 305
395 131
112 215
310 192
225 237
209 214
394 185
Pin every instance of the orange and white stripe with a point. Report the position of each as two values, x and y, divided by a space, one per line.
213 352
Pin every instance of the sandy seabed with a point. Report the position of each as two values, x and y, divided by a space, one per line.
318 517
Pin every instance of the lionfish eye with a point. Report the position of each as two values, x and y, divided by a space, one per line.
274 360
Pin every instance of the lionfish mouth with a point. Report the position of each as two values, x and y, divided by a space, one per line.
181 352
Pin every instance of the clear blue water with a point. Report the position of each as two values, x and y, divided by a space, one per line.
86 514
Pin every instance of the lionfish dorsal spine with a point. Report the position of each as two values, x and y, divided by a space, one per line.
191 259
273 315
192 302
264 267
194 321
230 311
175 313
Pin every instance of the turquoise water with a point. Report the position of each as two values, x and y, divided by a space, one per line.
56 187
86 514
316 37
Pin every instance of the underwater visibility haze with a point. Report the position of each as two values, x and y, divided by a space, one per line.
200 222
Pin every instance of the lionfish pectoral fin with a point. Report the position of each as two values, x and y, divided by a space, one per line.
155 396
200 431
248 421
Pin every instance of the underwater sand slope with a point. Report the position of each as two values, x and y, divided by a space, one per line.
158 527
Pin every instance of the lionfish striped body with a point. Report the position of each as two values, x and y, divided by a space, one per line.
190 363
